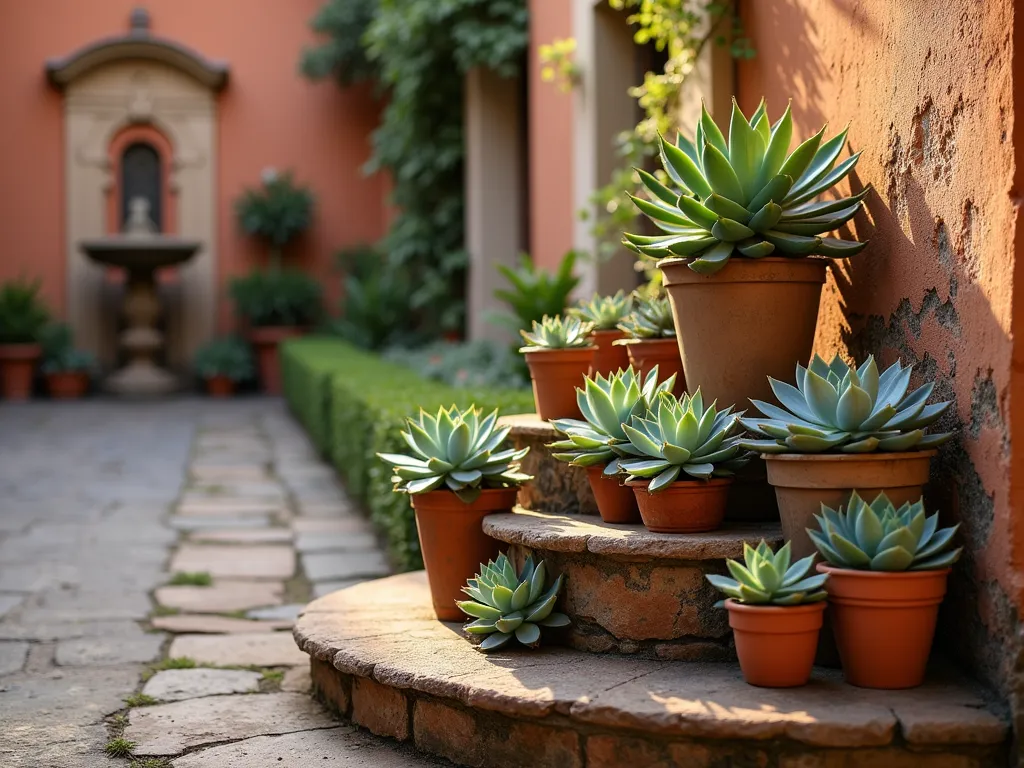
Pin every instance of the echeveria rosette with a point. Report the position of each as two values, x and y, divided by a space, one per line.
460 450
835 407
604 313
879 537
650 319
749 196
770 578
557 333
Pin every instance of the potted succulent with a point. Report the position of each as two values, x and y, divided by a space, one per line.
223 364
737 217
597 443
840 429
459 472
23 316
775 612
509 605
277 212
650 339
680 438
67 369
558 352
887 572
605 313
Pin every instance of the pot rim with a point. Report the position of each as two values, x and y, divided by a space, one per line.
527 351
628 341
775 610
690 484
815 266
834 570
21 351
832 457
597 331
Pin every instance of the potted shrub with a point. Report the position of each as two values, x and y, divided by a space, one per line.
842 429
596 444
459 472
276 212
650 339
23 316
736 218
558 352
223 364
682 439
67 370
775 612
275 306
887 572
605 313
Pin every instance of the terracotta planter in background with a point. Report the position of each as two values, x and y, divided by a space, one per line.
219 386
67 385
644 354
805 481
17 367
555 374
775 644
453 542
609 357
265 341
616 502
884 623
686 506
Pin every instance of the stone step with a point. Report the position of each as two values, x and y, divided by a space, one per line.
380 658
629 590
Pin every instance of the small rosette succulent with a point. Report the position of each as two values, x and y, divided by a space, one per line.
650 319
749 196
835 407
604 312
557 333
682 437
606 403
769 578
879 537
508 605
456 449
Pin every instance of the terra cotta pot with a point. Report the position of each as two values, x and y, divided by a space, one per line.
453 542
219 386
644 354
686 506
556 373
265 340
67 385
616 502
17 366
608 357
775 644
884 623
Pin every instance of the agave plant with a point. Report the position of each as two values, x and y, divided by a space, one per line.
837 407
749 196
606 404
506 604
769 578
604 312
879 537
650 319
682 436
557 333
458 450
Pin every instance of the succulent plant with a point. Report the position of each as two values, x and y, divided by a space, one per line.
837 407
228 356
557 333
879 537
769 578
506 604
604 312
749 197
650 319
606 404
682 436
456 449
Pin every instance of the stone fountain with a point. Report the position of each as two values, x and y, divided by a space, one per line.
140 250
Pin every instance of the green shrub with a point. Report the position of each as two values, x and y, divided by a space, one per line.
60 354
226 356
275 298
277 211
23 315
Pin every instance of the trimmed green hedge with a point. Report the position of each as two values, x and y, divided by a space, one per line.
353 403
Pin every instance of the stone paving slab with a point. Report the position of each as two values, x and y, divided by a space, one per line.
188 523
268 649
12 656
243 536
204 623
181 684
9 602
270 561
335 542
287 613
337 566
223 507
223 596
109 651
303 525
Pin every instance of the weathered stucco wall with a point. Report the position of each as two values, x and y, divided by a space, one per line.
928 90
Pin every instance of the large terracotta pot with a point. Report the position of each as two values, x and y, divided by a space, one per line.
805 481
644 354
453 542
608 357
884 623
686 506
616 502
219 386
556 373
775 644
67 385
17 366
753 319
265 341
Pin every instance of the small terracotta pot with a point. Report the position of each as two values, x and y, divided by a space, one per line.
884 623
556 373
686 506
805 481
17 366
775 644
644 354
609 357
67 385
616 502
265 341
219 386
453 542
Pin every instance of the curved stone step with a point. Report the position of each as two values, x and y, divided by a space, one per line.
380 658
629 590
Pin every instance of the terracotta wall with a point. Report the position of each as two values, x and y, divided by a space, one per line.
269 116
928 90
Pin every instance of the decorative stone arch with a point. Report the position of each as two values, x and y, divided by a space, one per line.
151 135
